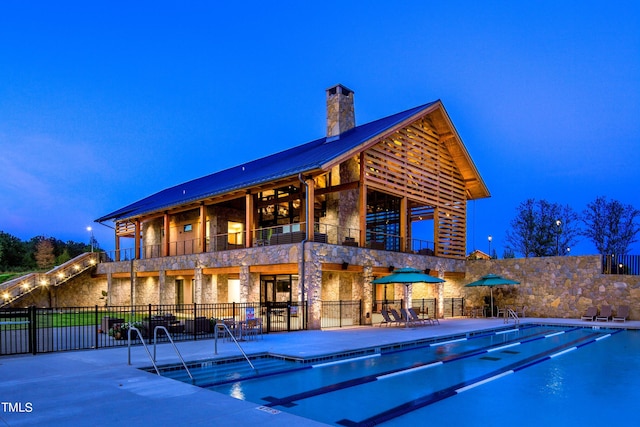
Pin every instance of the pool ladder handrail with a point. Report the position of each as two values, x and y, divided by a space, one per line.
153 359
511 314
224 326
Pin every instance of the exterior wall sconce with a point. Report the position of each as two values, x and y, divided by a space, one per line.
345 265
391 268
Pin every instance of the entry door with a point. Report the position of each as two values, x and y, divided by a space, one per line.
179 291
276 300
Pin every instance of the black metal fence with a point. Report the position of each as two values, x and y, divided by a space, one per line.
621 264
338 314
42 330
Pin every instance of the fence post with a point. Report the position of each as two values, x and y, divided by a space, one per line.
33 328
96 328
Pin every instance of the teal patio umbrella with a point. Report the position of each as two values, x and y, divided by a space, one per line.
492 280
406 276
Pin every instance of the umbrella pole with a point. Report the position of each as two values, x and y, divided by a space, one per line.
491 289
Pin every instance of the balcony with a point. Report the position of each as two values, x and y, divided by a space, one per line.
280 235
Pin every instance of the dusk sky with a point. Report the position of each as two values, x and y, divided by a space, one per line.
104 103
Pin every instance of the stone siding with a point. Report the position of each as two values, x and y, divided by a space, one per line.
560 287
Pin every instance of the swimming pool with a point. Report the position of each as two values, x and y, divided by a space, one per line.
531 374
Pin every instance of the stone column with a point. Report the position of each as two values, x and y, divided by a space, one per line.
162 287
367 293
197 283
245 282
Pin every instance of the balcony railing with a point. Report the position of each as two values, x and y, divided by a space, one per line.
279 235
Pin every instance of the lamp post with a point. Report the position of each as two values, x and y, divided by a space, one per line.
490 238
558 224
90 230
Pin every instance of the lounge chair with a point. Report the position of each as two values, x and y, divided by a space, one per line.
605 313
386 319
414 318
621 314
398 318
590 314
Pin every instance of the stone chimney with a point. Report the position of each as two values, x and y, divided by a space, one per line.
340 113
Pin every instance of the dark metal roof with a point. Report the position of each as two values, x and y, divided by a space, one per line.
300 159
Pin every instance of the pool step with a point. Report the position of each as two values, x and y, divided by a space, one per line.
211 372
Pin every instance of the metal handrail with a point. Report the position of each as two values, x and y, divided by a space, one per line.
155 338
511 313
133 328
226 328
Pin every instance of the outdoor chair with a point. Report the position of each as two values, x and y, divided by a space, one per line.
621 314
520 311
397 318
590 314
386 319
605 313
251 328
417 319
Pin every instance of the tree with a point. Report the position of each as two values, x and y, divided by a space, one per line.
44 255
12 252
541 228
610 225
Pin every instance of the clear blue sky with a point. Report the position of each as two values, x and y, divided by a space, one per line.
103 103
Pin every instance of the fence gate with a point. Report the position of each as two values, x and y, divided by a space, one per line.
283 316
18 332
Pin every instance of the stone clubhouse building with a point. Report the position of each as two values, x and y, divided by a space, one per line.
315 222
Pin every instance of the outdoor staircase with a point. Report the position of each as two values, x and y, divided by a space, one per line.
15 289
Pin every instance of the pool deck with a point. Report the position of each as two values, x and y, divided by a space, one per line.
99 388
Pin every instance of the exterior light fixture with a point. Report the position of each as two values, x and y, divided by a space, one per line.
490 239
90 230
558 224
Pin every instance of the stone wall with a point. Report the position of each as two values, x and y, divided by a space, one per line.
553 286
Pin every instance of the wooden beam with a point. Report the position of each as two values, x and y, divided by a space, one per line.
203 228
147 273
221 270
362 204
289 268
166 247
381 270
180 272
454 275
329 266
310 208
248 221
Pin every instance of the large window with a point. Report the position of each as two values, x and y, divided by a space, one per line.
383 221
279 207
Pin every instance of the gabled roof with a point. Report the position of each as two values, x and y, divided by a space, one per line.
306 158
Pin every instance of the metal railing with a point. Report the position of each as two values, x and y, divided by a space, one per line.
621 264
338 314
43 330
16 288
279 235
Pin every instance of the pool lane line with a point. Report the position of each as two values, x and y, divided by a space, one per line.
454 390
287 401
341 361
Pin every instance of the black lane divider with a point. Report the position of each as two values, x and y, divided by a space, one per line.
439 395
288 401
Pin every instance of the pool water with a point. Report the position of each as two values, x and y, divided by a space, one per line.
532 375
